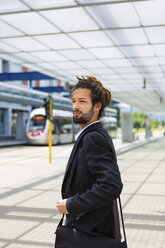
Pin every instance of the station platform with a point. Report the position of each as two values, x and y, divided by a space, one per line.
30 187
12 143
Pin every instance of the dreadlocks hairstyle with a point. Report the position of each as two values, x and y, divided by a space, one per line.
98 92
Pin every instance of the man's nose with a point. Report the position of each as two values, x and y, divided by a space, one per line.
75 105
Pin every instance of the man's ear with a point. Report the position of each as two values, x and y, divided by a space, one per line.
98 106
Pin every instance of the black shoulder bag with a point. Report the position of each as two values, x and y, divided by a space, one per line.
69 237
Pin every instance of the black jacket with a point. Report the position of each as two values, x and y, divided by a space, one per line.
92 182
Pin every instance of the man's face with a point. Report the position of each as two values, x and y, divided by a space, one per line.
83 110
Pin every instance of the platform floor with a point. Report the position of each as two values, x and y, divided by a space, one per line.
30 187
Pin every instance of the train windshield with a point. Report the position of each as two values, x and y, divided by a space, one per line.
37 123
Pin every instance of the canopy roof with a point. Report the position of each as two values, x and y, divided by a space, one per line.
121 42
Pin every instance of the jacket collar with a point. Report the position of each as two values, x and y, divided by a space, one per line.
93 127
77 135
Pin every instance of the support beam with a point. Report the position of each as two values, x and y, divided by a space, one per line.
70 6
89 31
31 97
20 76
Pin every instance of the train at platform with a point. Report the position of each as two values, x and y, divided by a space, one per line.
63 127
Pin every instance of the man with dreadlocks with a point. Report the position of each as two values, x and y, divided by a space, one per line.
92 179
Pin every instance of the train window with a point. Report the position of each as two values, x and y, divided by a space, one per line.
56 126
37 122
62 126
67 126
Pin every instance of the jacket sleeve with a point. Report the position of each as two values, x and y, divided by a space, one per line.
101 161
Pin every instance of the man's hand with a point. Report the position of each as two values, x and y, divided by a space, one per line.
61 206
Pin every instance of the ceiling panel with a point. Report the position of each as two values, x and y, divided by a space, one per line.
111 77
117 62
158 76
159 50
138 51
160 81
77 54
92 39
6 30
62 74
106 53
67 65
48 66
7 48
132 76
11 6
128 36
72 19
24 22
102 71
92 64
145 61
130 98
154 75
117 15
80 72
49 56
58 41
25 57
125 87
154 14
156 34
25 44
161 60
121 81
148 69
125 70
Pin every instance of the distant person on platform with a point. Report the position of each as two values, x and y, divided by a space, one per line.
92 179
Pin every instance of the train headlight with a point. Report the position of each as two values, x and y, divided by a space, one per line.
41 132
30 133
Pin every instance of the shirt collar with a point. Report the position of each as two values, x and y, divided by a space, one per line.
78 134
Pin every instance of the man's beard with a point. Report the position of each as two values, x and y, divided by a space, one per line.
85 118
